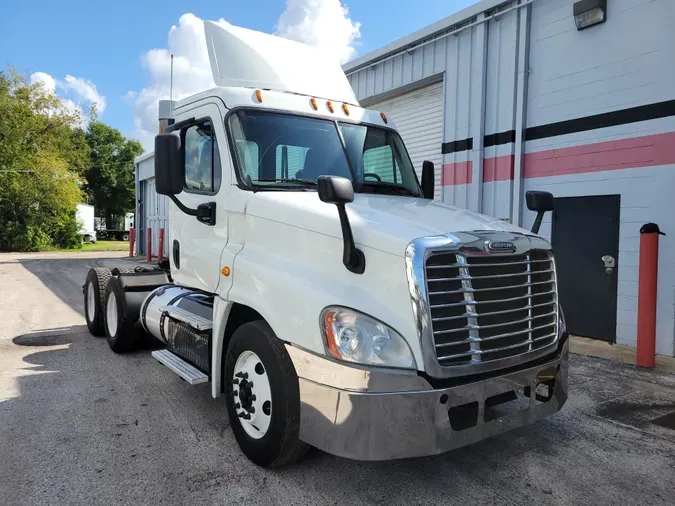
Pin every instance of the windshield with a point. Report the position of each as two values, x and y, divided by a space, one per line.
274 150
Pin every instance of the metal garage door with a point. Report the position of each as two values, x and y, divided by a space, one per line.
156 214
419 118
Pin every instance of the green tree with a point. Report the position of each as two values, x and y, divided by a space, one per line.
43 153
110 174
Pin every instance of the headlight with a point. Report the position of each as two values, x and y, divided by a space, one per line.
562 326
354 337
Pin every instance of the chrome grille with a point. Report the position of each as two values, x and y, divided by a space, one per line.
486 308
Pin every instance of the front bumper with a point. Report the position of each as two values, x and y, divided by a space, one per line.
366 415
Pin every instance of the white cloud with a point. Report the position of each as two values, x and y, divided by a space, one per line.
75 93
191 73
85 90
47 81
322 23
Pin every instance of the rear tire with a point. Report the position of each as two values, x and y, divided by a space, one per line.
124 334
278 444
94 299
123 270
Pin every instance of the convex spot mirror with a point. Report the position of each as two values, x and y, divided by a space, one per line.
428 179
539 201
335 190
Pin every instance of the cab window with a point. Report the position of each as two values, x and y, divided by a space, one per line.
202 159
289 160
379 163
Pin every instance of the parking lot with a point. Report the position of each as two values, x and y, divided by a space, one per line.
81 425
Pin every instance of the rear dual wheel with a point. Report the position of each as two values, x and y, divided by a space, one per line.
94 299
122 330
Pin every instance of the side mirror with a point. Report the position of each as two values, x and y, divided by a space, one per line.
339 191
540 202
169 178
428 179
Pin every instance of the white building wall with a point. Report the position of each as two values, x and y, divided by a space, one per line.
624 62
152 209
563 74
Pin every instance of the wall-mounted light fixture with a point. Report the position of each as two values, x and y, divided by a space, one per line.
589 13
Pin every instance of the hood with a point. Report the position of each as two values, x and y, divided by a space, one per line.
383 222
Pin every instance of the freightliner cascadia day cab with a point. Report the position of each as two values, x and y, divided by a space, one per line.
316 284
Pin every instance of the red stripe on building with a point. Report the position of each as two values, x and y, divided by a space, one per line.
498 168
456 173
647 151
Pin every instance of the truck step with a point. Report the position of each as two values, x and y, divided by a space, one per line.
186 371
193 320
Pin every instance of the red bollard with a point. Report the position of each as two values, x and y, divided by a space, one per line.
160 246
148 246
132 237
647 285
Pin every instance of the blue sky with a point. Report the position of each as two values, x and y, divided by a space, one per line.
105 44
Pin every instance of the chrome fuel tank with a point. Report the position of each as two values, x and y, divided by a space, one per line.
188 299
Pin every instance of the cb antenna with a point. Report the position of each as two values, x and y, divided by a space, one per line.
171 86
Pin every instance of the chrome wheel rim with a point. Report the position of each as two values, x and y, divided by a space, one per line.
252 394
91 302
111 314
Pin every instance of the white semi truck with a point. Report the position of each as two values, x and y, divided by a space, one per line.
84 214
316 284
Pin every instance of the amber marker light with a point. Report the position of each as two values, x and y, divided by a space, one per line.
384 117
345 108
225 271
258 95
329 104
312 102
328 320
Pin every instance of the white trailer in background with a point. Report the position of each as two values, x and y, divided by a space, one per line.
84 214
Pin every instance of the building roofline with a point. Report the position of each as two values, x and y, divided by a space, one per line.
144 156
411 40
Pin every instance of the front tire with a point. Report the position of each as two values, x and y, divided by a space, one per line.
263 396
123 332
94 299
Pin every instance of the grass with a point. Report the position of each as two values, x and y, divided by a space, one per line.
102 246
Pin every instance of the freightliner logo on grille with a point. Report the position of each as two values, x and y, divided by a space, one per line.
501 247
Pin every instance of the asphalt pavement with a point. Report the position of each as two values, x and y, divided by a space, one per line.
81 425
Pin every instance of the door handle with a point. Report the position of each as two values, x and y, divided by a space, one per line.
610 263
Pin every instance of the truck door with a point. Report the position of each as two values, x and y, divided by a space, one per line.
195 246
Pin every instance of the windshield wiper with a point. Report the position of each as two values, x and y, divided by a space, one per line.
282 180
387 188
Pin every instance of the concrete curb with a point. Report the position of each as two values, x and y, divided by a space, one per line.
616 352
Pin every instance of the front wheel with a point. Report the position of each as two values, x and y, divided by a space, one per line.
262 396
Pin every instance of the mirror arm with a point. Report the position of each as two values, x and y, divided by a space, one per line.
352 257
183 207
205 213
537 222
177 126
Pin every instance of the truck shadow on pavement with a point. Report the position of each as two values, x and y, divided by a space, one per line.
64 277
86 425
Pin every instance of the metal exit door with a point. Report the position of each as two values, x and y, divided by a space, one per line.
585 237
